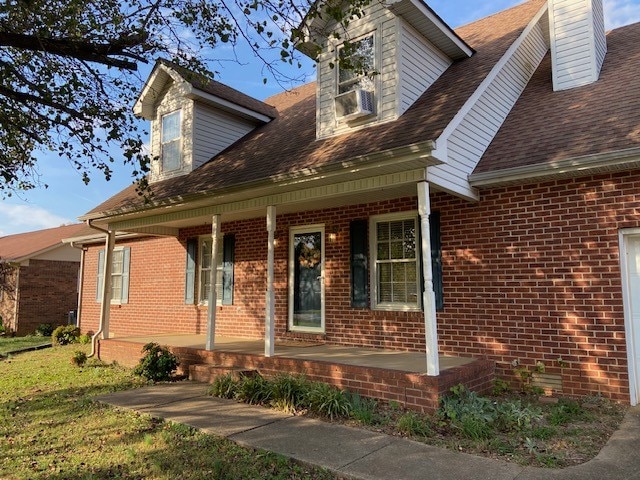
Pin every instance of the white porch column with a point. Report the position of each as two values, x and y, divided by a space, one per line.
428 296
211 298
105 295
269 331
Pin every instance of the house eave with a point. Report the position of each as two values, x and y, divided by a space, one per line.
609 162
215 101
445 38
389 161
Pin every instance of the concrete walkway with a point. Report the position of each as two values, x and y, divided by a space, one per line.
357 453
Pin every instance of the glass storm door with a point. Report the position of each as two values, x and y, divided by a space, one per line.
306 278
632 244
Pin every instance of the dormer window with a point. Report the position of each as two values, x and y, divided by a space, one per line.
356 65
171 135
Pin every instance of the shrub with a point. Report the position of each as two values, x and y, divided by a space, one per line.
224 386
84 339
79 358
157 364
44 330
64 335
323 399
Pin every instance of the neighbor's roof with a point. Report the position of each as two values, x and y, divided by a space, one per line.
546 126
288 143
22 246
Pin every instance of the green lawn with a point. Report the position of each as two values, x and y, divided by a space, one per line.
9 344
51 428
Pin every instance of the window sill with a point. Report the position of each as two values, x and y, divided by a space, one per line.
396 307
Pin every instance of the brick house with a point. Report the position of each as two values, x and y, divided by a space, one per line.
42 284
477 197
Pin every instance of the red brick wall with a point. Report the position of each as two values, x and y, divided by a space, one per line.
531 274
48 290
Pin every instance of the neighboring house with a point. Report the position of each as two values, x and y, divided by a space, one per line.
41 285
479 196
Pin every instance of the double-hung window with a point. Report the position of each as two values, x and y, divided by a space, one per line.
200 270
119 275
396 262
171 154
209 271
356 65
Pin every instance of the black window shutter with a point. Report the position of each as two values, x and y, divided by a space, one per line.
190 272
228 253
436 259
359 270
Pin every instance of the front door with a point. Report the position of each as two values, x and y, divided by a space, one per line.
306 279
631 283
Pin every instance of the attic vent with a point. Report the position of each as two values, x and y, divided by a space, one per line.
354 104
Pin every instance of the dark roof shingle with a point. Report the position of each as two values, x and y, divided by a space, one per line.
288 143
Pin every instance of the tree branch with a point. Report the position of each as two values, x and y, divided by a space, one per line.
93 52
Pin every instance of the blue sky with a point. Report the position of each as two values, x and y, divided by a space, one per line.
68 197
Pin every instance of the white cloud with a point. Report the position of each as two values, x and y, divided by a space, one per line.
621 12
24 218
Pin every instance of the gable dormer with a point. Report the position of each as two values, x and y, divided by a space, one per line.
400 48
193 119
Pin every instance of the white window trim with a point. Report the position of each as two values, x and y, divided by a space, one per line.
116 301
632 348
219 268
373 253
180 137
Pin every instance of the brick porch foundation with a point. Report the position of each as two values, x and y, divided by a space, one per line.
415 391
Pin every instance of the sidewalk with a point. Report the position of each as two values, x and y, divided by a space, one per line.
359 453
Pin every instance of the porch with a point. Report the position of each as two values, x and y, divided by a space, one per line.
399 376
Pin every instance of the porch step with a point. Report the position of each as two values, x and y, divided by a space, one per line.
204 372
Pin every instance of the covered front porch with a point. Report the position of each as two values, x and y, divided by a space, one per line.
391 375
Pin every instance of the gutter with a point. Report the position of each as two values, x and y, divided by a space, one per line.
94 338
571 167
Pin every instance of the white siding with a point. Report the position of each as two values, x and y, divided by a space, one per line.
214 130
481 118
421 64
383 24
578 42
171 100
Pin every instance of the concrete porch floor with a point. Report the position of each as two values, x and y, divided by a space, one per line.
414 362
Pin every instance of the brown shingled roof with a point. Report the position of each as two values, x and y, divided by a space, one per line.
21 245
222 91
547 126
288 143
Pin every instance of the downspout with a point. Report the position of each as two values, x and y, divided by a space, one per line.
16 300
94 338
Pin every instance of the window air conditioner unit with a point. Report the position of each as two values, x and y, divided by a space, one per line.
354 104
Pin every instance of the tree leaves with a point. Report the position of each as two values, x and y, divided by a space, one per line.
68 69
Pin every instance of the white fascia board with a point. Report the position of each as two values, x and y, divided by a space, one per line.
460 44
195 93
440 151
154 84
570 167
98 238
